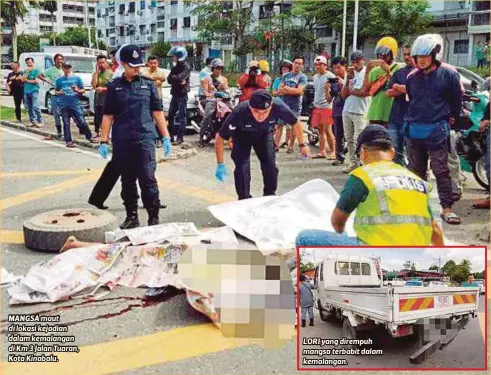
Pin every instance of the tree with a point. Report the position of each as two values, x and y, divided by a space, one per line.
76 36
408 265
161 49
434 268
25 43
52 8
13 12
228 19
448 267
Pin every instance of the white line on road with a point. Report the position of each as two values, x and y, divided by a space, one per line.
52 143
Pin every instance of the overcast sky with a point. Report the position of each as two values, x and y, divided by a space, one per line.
424 258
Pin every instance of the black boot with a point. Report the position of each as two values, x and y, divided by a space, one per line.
303 322
131 220
311 322
153 216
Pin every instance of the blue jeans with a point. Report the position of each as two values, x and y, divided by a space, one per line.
74 111
487 154
397 134
315 237
31 103
55 106
178 117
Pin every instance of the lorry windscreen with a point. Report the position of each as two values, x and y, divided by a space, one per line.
81 65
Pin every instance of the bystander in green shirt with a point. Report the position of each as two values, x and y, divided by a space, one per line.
53 73
103 79
479 53
381 104
32 74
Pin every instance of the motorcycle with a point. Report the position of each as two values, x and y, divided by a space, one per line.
225 103
470 143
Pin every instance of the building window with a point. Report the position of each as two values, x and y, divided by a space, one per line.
74 20
173 24
323 32
461 46
187 22
112 31
98 13
132 7
153 28
121 30
174 2
142 29
160 24
266 11
112 41
161 36
99 33
107 33
121 8
46 18
142 4
46 29
153 3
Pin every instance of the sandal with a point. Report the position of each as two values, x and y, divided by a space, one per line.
289 151
451 218
319 156
71 145
482 204
331 157
284 145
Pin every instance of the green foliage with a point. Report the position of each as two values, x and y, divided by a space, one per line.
26 43
483 72
50 6
408 265
457 272
161 49
306 267
76 36
433 268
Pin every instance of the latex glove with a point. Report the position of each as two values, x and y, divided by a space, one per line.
167 146
221 172
103 150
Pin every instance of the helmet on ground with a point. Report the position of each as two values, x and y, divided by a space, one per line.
428 45
180 52
387 46
286 64
217 63
264 66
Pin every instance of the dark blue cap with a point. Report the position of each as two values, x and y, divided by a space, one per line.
261 99
131 55
373 135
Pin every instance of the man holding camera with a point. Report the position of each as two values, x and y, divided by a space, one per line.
322 113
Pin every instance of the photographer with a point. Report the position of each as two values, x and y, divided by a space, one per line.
251 81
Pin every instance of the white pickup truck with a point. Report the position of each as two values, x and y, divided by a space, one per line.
350 288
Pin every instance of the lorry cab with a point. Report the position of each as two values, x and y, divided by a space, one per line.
347 270
83 66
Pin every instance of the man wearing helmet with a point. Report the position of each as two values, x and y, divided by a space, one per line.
435 101
179 80
377 78
264 68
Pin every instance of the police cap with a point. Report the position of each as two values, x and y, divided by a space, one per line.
373 135
131 55
261 99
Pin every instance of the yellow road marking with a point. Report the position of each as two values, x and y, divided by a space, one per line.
131 353
204 194
48 173
11 236
46 191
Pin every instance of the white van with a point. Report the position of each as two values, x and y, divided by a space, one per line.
83 66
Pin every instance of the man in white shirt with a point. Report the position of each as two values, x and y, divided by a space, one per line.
355 107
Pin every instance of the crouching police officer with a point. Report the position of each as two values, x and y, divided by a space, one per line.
252 125
132 105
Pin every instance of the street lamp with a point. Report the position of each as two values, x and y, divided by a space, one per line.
355 27
343 43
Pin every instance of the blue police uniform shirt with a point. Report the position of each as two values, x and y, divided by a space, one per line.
65 84
243 127
132 103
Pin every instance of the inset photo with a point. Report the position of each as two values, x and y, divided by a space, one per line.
391 308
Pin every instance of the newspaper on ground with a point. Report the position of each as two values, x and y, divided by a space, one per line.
159 233
7 278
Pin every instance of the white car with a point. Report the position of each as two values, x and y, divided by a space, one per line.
5 72
482 286
394 282
436 283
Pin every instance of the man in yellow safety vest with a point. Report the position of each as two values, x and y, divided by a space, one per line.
392 204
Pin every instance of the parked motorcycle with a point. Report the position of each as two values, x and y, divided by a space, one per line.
470 143
225 104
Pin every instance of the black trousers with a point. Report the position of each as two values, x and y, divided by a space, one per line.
339 136
99 113
18 98
241 155
110 175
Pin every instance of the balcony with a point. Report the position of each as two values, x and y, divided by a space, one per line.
449 17
479 22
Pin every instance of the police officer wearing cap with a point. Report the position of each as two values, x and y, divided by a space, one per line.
251 125
132 105
392 204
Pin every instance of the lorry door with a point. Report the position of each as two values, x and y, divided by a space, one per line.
319 273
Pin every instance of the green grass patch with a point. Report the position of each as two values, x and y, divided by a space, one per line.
8 114
484 72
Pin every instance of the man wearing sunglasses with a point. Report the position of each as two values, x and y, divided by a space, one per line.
251 126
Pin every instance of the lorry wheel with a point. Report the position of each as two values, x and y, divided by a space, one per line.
324 314
349 332
49 231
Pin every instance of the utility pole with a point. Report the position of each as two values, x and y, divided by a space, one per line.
355 27
343 42
88 22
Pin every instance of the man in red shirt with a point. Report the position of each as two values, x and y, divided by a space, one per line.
114 63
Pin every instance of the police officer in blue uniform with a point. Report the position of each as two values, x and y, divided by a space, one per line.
132 105
251 126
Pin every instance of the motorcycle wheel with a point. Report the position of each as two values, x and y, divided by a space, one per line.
205 135
313 136
479 173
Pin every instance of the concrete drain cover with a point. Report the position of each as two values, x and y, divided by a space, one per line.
49 231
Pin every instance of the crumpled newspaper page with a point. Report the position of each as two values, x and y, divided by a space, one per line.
162 232
6 278
247 295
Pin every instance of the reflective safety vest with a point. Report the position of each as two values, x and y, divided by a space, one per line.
396 210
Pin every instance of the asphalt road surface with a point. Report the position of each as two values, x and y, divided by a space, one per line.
120 333
465 351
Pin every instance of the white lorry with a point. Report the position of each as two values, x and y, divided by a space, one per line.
83 60
350 288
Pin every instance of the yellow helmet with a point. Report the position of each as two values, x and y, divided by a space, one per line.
264 66
387 44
